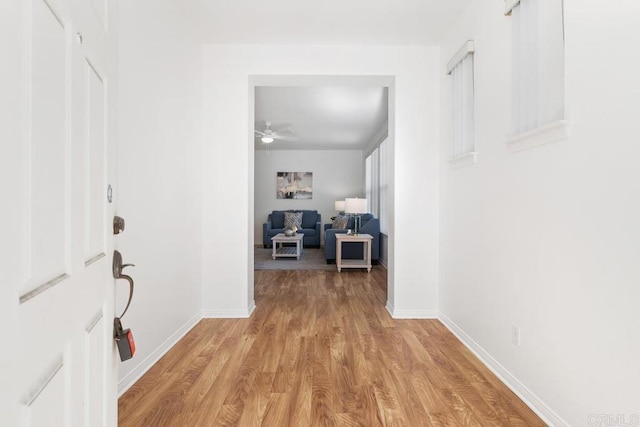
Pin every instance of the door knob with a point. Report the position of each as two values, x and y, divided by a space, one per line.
118 266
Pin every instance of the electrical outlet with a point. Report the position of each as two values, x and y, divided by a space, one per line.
515 335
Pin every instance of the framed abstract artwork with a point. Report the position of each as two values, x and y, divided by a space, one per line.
294 185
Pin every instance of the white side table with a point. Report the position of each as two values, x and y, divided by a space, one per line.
365 262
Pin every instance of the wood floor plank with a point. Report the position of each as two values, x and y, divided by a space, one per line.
341 372
363 411
410 401
362 372
321 388
285 372
320 349
257 400
213 400
302 387
433 400
388 400
173 361
193 399
167 404
228 416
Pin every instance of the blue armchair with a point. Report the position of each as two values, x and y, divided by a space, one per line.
353 250
311 227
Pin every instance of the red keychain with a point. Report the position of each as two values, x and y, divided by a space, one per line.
124 339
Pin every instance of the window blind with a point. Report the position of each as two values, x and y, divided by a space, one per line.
537 64
463 101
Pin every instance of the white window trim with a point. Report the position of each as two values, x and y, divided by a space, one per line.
466 159
466 49
553 132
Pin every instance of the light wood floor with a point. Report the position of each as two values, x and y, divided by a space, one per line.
320 349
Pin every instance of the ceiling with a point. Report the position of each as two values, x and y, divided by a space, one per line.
322 117
331 22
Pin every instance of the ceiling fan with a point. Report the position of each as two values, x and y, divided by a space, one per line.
268 135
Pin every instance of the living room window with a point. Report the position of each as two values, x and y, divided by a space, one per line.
376 183
372 183
383 186
460 68
537 64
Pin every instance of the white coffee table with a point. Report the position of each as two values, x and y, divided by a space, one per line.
280 250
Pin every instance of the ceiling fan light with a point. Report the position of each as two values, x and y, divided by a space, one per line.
267 139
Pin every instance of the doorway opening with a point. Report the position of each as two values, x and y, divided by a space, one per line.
336 133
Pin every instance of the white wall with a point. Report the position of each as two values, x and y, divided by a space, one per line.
336 175
549 238
228 156
160 119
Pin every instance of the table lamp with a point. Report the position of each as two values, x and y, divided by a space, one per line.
356 207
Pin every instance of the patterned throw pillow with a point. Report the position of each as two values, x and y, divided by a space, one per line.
340 222
291 219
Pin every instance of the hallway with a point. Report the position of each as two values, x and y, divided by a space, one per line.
320 349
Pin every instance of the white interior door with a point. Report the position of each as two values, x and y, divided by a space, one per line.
60 162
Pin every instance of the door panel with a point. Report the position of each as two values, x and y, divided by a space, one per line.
101 10
48 148
46 406
64 366
95 373
96 162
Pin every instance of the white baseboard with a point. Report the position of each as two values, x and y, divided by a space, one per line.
526 395
411 314
130 379
389 308
229 314
415 314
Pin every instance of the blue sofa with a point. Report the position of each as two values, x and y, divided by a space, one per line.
311 227
369 225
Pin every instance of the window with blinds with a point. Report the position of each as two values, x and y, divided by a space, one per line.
460 68
376 183
537 65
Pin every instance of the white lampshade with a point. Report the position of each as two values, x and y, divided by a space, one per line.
339 205
355 206
267 139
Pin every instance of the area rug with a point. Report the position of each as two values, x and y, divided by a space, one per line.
311 259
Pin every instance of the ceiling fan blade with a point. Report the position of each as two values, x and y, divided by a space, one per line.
259 133
285 137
